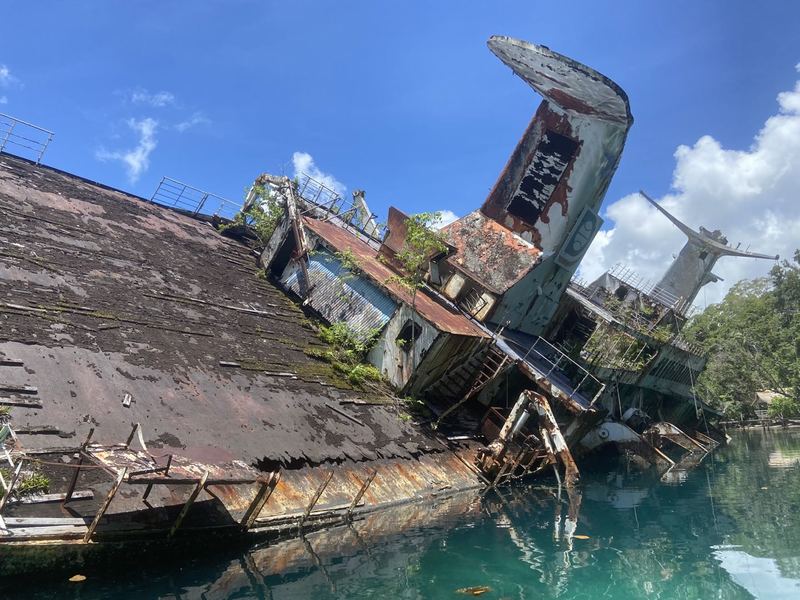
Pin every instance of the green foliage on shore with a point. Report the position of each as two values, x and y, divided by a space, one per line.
753 341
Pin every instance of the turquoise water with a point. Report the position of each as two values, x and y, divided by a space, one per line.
731 529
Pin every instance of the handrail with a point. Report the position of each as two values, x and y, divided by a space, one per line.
319 198
177 194
555 365
17 132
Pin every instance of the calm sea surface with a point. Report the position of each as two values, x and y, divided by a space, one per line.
730 529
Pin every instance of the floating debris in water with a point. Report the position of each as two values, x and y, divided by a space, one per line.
474 591
77 578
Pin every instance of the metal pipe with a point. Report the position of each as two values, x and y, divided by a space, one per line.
523 418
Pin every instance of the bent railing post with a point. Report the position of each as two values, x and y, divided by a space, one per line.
361 492
192 497
104 507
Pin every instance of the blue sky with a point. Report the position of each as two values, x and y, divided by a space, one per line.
402 99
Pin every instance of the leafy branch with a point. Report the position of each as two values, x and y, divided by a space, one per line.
261 217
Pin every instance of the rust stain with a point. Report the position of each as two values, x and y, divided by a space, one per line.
507 183
489 252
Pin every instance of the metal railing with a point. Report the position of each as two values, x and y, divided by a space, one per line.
559 362
176 194
692 348
322 200
632 279
19 135
640 322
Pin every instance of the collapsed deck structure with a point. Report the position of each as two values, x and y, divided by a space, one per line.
178 370
470 337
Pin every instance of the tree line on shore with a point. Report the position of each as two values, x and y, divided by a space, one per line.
752 339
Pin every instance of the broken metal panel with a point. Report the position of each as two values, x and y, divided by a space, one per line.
395 230
581 184
339 295
275 243
398 360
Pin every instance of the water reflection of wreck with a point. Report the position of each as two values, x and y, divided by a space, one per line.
514 360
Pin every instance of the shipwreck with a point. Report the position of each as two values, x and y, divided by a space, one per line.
180 372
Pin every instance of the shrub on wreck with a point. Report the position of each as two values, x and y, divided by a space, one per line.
260 218
346 352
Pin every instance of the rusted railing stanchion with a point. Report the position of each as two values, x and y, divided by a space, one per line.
130 437
185 510
106 503
74 481
316 497
262 496
361 492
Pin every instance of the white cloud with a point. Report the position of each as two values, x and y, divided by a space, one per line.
303 163
156 99
6 78
7 81
137 159
752 196
197 118
445 218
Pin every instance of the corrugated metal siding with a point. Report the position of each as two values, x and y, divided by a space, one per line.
338 295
